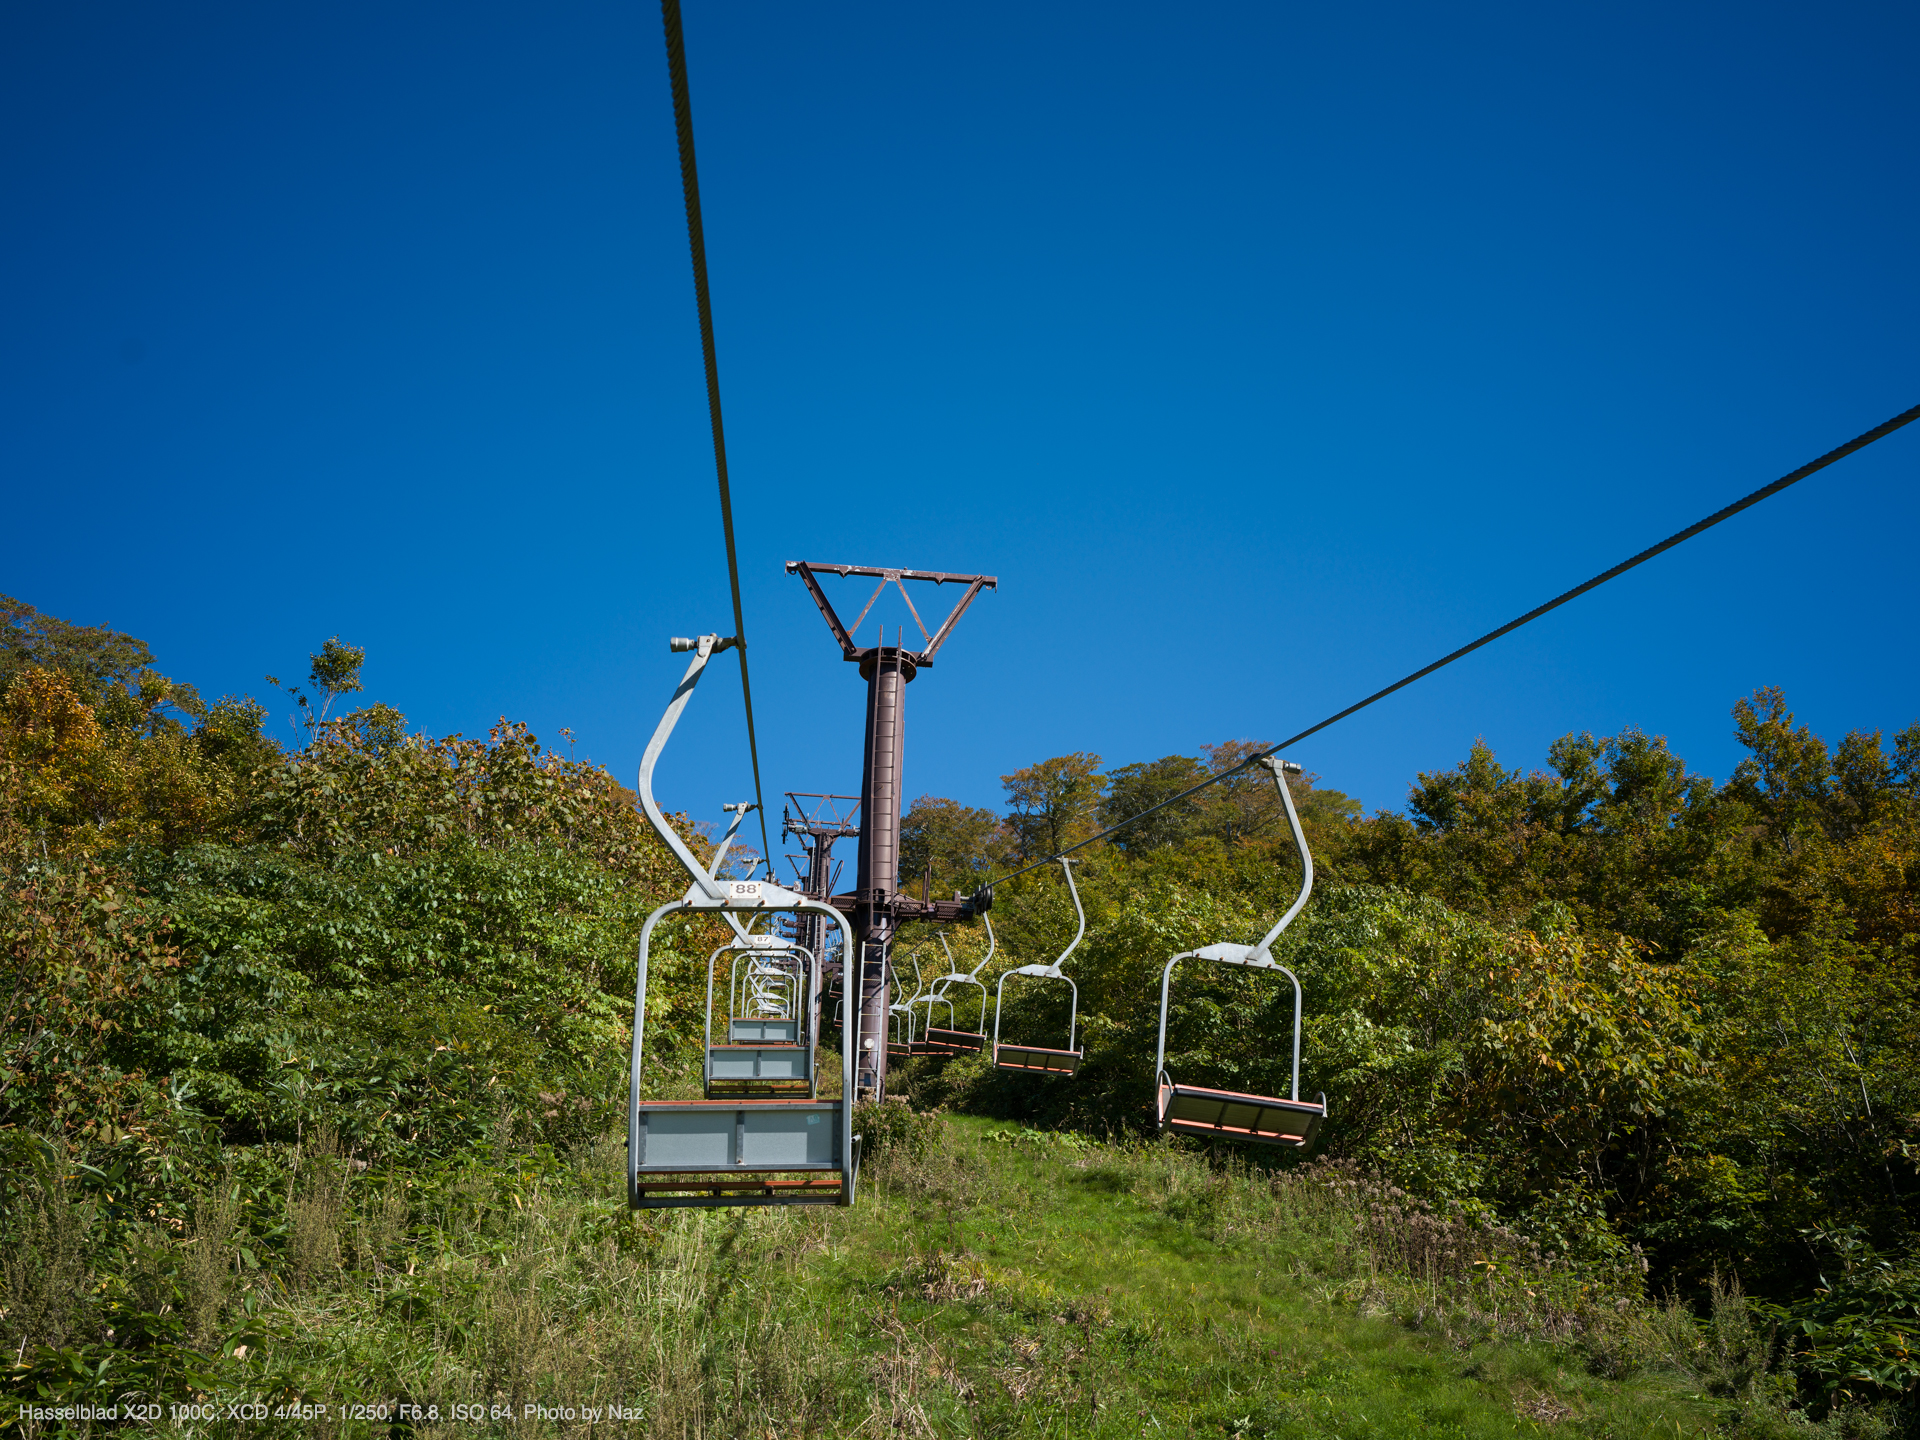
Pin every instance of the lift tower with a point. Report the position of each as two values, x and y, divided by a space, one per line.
817 825
876 904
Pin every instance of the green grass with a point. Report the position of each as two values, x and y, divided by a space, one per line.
989 1282
1061 1290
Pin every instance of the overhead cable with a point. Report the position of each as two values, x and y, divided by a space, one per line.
697 242
1764 492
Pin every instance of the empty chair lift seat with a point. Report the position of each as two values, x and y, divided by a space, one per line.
1228 1114
753 1152
1225 1115
739 1149
952 1042
1036 1060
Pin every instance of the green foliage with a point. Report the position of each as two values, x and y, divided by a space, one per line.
1583 1031
334 672
959 846
893 1127
84 960
1857 1337
1053 804
112 672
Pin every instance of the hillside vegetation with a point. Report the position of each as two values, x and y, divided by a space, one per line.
313 1056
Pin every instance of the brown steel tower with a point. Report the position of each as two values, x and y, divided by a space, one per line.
876 904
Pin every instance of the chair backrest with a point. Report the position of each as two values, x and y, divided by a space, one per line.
1257 957
1050 972
805 957
939 991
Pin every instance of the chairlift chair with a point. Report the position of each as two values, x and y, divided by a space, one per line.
952 1040
763 1054
1227 1114
1036 1059
899 1017
744 1151
767 991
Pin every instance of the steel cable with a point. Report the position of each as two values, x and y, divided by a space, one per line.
1858 442
697 243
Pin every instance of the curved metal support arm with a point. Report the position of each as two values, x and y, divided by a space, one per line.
973 975
919 985
739 813
1067 865
992 945
1279 768
704 650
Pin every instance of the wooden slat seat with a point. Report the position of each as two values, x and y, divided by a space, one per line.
1228 1115
953 1042
738 1191
1036 1060
759 1089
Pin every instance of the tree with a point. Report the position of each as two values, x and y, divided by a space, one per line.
1054 803
113 673
964 844
335 671
94 656
1786 774
1135 789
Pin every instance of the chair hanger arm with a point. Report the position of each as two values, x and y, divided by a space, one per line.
1067 865
739 813
992 944
704 649
1280 769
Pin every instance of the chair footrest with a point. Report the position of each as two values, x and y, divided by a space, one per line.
735 1183
710 1192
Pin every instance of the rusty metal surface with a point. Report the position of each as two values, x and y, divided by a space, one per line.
817 819
910 907
916 659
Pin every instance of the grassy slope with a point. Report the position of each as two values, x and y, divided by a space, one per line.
1045 1287
1128 1292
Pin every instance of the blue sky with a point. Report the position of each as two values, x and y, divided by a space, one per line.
1263 351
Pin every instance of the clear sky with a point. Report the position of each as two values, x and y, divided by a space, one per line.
1264 351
